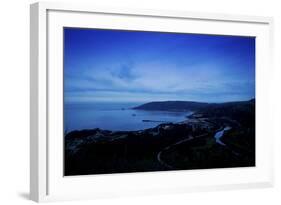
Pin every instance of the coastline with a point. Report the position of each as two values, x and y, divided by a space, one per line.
189 144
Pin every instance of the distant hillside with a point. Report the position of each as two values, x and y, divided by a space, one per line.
193 106
243 111
172 106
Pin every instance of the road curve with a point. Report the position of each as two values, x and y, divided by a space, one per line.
161 161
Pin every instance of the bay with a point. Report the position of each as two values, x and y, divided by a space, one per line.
115 116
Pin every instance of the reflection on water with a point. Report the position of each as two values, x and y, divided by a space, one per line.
115 116
219 134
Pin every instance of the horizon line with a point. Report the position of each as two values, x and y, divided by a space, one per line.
144 102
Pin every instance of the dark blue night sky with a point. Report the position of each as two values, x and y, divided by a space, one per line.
136 66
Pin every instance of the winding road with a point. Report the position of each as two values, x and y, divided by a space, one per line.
172 145
218 134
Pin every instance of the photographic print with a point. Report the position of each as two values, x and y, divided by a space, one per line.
139 101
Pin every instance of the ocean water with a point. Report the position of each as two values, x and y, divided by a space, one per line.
115 116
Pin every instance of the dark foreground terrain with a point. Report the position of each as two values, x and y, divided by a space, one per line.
215 136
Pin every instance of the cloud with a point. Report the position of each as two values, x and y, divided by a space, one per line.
111 65
148 81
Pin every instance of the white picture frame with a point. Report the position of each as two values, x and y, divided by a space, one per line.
47 182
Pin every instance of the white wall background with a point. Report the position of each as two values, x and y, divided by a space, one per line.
14 101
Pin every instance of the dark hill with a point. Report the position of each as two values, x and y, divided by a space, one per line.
172 106
196 106
243 111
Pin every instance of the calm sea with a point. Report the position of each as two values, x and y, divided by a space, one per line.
115 116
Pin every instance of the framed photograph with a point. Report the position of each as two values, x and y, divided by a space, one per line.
127 102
